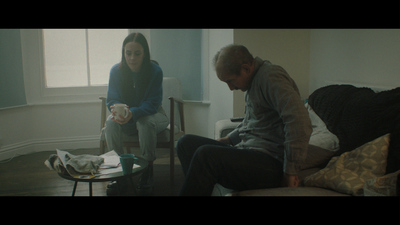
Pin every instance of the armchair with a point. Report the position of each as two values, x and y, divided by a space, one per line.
174 108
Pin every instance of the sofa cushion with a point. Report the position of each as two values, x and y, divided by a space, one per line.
347 173
393 161
290 191
316 157
220 190
382 186
320 135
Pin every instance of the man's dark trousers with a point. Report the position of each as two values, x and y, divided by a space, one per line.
206 162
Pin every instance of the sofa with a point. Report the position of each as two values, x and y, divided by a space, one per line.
354 149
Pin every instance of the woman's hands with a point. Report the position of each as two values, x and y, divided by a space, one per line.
121 120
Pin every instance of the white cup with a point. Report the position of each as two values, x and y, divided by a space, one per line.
121 110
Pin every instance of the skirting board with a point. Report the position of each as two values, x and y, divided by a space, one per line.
48 144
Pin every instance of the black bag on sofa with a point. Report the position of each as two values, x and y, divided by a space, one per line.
359 115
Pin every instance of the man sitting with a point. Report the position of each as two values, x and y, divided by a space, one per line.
268 148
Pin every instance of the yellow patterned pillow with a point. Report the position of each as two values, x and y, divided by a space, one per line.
348 172
382 186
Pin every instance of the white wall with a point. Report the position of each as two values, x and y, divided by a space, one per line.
221 97
41 126
355 56
200 118
289 48
36 128
63 120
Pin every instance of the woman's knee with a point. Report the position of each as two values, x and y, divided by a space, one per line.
146 122
111 126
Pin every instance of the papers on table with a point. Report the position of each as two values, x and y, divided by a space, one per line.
111 160
111 164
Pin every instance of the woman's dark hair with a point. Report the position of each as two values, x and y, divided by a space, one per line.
145 69
146 64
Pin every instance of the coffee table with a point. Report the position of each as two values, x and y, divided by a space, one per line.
107 177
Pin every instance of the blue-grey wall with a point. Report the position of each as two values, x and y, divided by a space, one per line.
12 90
178 51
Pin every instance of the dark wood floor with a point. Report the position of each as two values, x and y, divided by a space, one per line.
28 176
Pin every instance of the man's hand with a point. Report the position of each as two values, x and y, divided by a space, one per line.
290 181
121 120
225 140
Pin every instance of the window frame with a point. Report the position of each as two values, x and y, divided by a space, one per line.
72 91
34 78
34 75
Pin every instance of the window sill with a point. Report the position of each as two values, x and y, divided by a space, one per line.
203 102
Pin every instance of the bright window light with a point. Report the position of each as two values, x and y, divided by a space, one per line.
80 57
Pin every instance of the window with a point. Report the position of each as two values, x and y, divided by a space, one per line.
80 57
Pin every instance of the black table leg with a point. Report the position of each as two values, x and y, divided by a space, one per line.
90 189
133 186
73 191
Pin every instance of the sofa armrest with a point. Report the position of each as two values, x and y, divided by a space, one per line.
224 127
